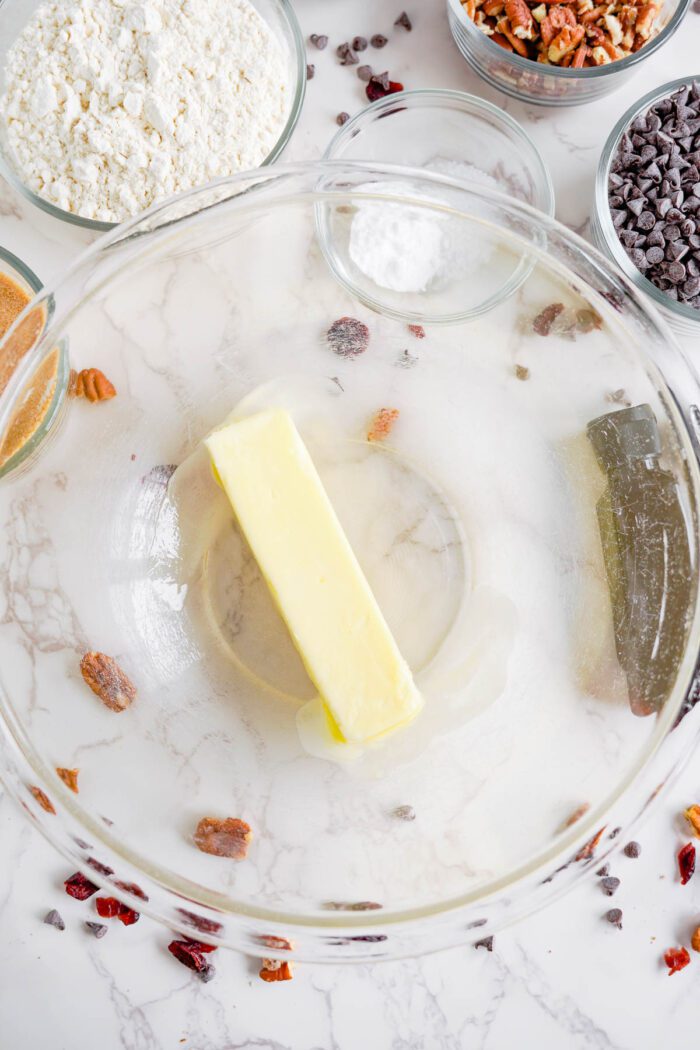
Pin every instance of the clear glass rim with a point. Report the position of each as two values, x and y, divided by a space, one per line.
602 208
451 99
591 73
166 885
286 9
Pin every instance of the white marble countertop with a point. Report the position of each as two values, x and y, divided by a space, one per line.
562 979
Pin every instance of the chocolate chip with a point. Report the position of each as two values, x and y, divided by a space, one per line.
364 72
359 43
207 974
97 929
342 118
404 20
633 850
602 872
310 71
378 40
346 55
52 918
646 220
614 917
319 41
654 255
676 272
485 942
609 885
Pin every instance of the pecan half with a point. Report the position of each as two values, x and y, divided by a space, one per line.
92 385
107 680
223 838
69 777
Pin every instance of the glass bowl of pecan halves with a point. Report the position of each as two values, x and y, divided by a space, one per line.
561 54
517 483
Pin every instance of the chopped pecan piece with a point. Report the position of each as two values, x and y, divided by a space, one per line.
692 815
107 680
566 41
69 777
91 384
502 41
518 45
557 18
521 20
223 838
382 424
42 798
274 970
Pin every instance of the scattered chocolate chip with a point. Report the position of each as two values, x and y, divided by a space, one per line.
319 41
207 974
632 849
405 21
486 942
348 337
346 55
405 813
342 118
609 885
97 929
615 831
378 40
602 872
359 43
476 923
53 918
364 73
310 71
614 917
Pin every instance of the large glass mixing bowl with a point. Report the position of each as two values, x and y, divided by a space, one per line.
536 564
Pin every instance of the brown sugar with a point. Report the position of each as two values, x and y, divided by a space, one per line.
39 392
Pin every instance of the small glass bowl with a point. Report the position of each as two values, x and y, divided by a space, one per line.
441 132
551 85
19 272
683 319
431 124
280 16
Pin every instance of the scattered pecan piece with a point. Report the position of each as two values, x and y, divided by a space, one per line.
676 959
417 330
107 680
692 815
382 424
542 324
522 373
92 384
274 970
69 777
695 939
276 944
223 838
42 798
588 849
579 812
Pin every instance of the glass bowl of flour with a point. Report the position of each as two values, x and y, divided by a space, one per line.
452 134
107 107
526 518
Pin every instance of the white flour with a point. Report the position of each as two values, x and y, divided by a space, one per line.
111 105
413 249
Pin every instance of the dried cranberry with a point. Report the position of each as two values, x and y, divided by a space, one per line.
200 946
380 86
79 887
686 862
99 867
676 959
131 887
189 955
417 330
200 923
348 337
111 908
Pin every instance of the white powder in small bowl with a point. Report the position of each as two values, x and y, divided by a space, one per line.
407 248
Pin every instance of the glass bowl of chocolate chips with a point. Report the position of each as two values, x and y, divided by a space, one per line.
646 215
561 54
510 496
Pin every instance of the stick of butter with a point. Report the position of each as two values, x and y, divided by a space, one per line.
313 574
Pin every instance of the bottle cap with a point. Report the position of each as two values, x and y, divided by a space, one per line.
629 434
